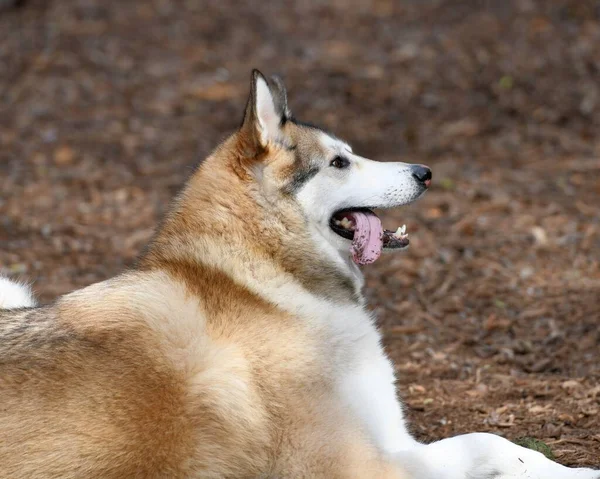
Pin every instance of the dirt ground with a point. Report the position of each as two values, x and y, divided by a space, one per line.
492 316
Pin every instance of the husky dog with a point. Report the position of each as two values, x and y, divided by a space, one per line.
239 346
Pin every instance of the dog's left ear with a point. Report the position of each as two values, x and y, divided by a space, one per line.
266 110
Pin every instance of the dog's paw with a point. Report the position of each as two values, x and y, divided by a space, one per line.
528 464
565 474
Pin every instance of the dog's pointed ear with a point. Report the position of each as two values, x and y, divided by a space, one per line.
266 110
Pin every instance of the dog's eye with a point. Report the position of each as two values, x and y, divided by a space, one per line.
339 162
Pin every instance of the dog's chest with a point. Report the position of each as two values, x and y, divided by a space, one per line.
364 376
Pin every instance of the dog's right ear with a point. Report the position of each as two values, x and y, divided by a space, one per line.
266 111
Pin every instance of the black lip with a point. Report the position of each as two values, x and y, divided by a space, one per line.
391 242
343 232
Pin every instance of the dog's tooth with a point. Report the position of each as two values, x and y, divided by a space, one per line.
403 229
346 223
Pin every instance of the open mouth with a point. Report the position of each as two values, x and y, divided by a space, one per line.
364 229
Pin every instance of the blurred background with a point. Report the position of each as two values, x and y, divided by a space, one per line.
492 316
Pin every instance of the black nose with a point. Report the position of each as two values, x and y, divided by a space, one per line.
422 174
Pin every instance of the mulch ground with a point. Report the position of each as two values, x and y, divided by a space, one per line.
492 316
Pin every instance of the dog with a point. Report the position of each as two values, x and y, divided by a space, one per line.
239 345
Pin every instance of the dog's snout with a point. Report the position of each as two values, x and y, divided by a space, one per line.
422 174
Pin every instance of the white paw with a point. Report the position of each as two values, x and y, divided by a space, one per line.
505 460
565 473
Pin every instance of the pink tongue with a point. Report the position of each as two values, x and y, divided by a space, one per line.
368 238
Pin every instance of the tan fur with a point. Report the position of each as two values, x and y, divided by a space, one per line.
179 368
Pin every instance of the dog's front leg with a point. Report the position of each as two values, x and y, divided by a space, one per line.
484 456
370 391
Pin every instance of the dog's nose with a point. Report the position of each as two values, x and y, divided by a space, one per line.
422 174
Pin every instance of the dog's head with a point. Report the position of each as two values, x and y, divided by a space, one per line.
335 190
287 194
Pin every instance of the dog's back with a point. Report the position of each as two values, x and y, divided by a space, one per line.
84 394
126 378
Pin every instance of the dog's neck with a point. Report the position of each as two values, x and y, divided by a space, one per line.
216 223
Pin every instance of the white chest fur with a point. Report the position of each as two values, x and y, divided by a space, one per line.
366 381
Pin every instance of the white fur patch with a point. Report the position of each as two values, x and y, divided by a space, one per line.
15 295
368 387
334 143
